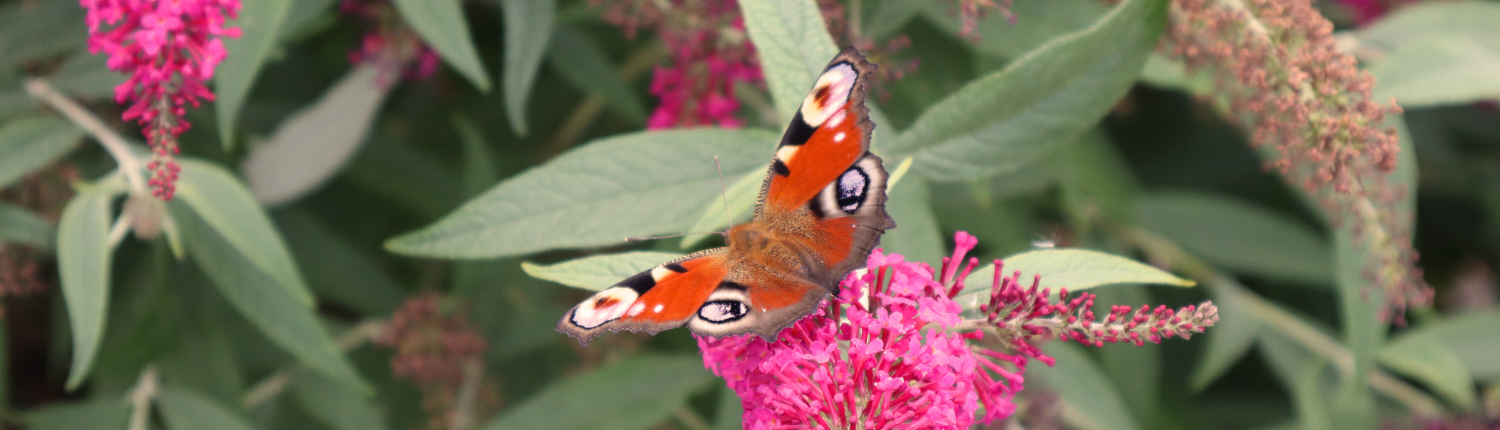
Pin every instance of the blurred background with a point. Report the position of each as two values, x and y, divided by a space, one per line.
338 125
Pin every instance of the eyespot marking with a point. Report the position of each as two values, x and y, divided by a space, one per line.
851 189
723 311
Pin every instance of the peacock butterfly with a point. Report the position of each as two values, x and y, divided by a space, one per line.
820 212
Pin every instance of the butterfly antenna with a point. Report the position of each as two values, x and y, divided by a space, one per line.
639 239
723 193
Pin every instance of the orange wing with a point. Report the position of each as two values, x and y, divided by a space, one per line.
658 299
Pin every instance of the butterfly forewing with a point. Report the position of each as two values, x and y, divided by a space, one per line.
821 211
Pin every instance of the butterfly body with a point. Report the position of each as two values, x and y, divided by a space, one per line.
821 211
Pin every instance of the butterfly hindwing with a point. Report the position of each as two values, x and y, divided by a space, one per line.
662 298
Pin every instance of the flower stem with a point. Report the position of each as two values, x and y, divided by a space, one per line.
115 144
140 398
1162 249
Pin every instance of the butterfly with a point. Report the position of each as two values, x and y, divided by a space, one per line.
820 212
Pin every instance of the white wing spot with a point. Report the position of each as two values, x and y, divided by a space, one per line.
839 137
786 153
637 309
657 309
837 118
660 272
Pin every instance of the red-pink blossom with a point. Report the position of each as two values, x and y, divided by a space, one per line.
390 43
880 355
168 49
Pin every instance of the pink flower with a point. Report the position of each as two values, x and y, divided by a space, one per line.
169 49
881 355
891 350
389 43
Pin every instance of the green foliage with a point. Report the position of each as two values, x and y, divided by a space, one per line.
355 185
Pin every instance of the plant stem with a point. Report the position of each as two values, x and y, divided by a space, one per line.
140 397
1274 316
39 89
273 385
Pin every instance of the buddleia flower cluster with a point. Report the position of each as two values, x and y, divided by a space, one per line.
894 350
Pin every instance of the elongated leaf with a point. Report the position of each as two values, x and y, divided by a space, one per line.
1428 360
1473 338
635 393
335 404
83 263
916 235
528 24
1016 116
1469 19
31 31
406 176
479 161
260 25
628 186
1310 399
204 359
1135 372
1085 389
19 225
1037 22
576 57
883 18
226 206
187 410
1239 236
793 46
1439 69
260 297
336 269
600 271
731 413
86 76
740 198
1074 269
1232 337
31 143
441 24
101 413
312 145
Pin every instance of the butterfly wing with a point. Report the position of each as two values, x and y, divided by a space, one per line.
662 298
824 186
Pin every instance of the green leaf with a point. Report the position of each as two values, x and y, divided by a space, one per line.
260 24
916 235
528 24
1232 337
1474 338
30 31
226 206
19 225
582 62
635 393
310 146
1038 22
1239 236
337 270
1135 371
883 18
633 185
1309 398
1018 115
83 264
262 299
731 413
1074 269
16 102
1096 182
401 174
740 196
793 46
31 143
335 404
1427 359
204 358
1438 69
187 410
86 76
600 271
1470 19
1083 387
479 162
99 413
441 24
